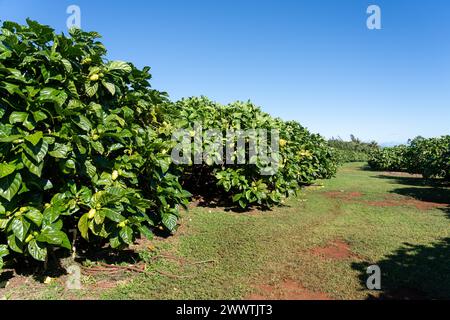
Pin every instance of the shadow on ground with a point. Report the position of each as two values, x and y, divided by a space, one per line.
25 267
59 261
433 191
418 181
413 272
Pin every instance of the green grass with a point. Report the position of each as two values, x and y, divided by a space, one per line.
226 255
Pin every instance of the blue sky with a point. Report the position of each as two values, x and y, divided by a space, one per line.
313 61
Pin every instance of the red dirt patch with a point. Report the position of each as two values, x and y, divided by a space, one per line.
421 205
388 201
337 250
287 290
343 195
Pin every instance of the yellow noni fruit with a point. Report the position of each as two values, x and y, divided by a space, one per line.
115 175
92 213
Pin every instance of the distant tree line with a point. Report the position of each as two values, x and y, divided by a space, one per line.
354 150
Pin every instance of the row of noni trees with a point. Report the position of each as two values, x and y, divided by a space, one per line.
85 146
427 156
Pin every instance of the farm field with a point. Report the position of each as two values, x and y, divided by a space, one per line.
317 246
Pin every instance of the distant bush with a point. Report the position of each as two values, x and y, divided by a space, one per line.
352 151
429 157
389 159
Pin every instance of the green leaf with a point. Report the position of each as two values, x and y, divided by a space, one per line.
15 244
10 185
110 87
37 152
112 215
91 90
4 223
73 90
3 250
83 226
34 168
37 250
146 232
35 216
91 170
120 66
169 221
97 145
53 95
39 116
99 217
18 117
126 233
34 138
115 242
51 214
20 228
237 197
11 138
6 169
163 164
60 151
54 237
67 65
83 123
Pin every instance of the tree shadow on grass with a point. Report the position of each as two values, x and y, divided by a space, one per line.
434 195
413 272
60 260
109 256
217 200
27 267
425 190
414 181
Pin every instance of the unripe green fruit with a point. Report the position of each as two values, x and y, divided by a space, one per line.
29 238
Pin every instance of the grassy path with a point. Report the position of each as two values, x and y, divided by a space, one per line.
316 247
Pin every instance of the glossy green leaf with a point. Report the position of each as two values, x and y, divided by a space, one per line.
126 234
119 66
83 226
10 185
34 138
18 117
37 250
6 169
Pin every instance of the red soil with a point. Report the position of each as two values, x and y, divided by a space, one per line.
337 250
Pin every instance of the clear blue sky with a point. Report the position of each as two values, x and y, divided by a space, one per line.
313 61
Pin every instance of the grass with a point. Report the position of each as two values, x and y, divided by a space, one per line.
224 255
